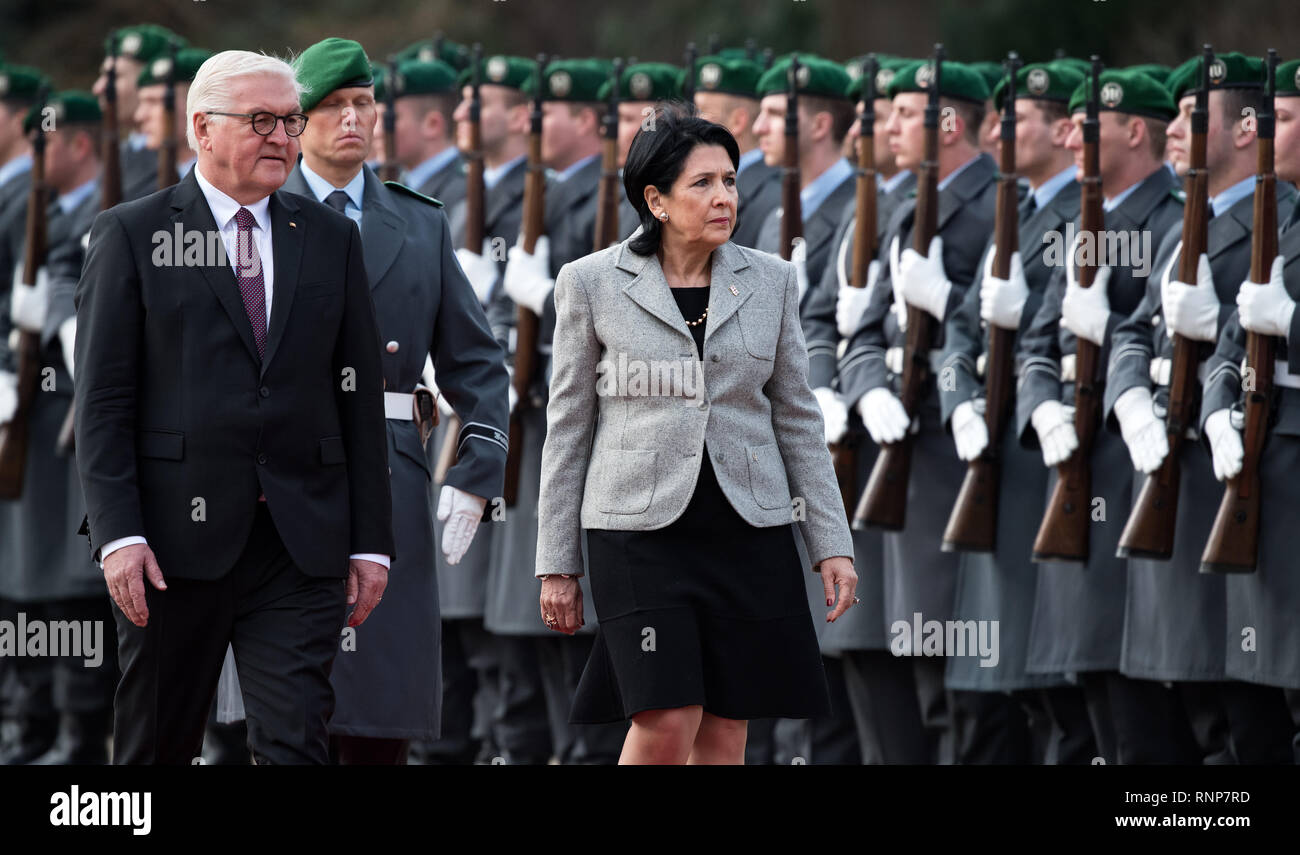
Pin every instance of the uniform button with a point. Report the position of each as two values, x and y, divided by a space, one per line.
264 392
261 458
721 458
391 347
715 357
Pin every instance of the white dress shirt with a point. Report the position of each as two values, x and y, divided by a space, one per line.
224 209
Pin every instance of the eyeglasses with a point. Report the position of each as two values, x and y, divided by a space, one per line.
264 123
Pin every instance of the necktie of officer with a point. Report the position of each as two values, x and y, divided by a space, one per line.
338 200
1027 207
252 287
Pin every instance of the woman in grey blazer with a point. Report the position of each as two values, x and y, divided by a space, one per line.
683 439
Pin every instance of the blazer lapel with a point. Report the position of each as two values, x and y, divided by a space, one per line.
649 289
287 244
194 215
381 230
727 291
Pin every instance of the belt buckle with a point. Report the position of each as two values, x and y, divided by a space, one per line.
425 412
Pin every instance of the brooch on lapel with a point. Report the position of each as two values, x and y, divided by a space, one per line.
734 292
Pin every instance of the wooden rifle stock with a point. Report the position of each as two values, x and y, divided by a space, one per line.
15 434
1233 546
527 324
1063 533
475 228
791 206
884 502
391 170
973 523
167 152
607 195
1149 532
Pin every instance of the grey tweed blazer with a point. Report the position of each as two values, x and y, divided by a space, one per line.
631 406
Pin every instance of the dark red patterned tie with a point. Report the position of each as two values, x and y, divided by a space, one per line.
248 272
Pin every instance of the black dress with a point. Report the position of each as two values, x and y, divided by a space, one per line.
708 610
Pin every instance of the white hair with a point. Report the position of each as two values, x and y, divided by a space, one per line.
213 85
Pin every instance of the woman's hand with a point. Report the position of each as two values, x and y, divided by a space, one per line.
561 603
837 573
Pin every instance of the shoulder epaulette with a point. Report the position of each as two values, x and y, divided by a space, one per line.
1179 194
415 194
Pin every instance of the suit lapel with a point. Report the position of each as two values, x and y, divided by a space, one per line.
1225 231
506 193
286 243
971 180
194 215
381 229
649 289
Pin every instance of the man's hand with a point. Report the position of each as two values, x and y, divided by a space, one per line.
924 282
1003 300
528 276
68 340
852 302
1225 444
480 269
1266 309
1085 311
838 575
799 258
1054 424
884 416
1191 311
366 583
1143 431
835 416
969 432
459 513
125 570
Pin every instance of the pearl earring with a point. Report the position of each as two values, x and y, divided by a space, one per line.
664 216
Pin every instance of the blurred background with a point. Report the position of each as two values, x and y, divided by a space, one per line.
65 38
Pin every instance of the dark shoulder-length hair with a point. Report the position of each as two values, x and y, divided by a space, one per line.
657 156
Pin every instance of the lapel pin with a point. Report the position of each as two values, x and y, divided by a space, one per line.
734 292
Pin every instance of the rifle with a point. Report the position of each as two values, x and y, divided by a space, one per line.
475 228
607 195
1233 546
1149 532
791 206
1063 533
688 82
884 502
973 523
527 324
391 169
15 434
167 153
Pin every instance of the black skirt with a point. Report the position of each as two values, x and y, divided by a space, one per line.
708 610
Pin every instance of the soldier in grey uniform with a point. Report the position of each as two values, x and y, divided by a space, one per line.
137 47
425 95
726 93
918 577
387 681
48 574
1263 710
996 709
540 668
150 114
1078 620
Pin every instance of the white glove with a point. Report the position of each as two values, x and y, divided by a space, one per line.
67 339
799 258
1225 443
459 513
1191 311
480 269
1054 424
1266 309
852 302
884 416
1002 300
895 281
1143 432
8 395
969 432
528 276
835 415
29 303
925 284
1085 311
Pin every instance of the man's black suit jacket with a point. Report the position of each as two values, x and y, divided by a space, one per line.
180 425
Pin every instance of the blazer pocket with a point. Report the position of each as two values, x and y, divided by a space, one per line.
312 290
161 444
623 481
767 476
331 450
759 335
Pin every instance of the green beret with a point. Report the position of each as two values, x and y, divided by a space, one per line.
1288 79
454 54
992 72
328 65
1043 81
379 74
1227 71
72 106
416 77
143 42
577 80
187 65
1154 70
730 75
646 81
958 80
886 67
817 76
511 71
1082 66
1125 91
21 82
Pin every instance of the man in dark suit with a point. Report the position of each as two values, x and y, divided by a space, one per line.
230 431
424 98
